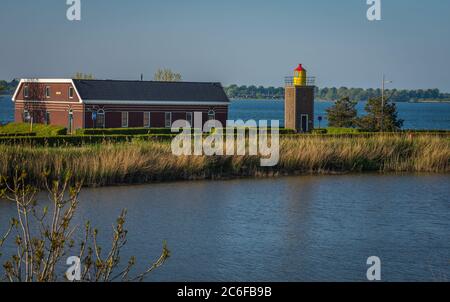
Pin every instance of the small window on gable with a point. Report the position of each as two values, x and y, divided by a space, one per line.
26 91
71 92
47 92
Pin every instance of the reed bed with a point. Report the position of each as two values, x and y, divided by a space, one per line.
142 162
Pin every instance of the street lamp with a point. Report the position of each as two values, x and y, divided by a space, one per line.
383 83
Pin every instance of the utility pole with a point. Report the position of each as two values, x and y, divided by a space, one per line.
382 102
383 83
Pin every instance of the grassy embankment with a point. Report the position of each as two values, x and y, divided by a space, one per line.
146 161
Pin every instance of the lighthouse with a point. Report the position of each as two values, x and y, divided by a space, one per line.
299 101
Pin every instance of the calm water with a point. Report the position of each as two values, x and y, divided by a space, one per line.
286 229
416 116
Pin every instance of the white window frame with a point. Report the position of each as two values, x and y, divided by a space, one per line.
189 119
26 116
170 119
47 92
124 114
26 91
211 113
73 92
103 114
148 114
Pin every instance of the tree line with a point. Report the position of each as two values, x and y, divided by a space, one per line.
334 94
381 115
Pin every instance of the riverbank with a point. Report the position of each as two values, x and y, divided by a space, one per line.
150 161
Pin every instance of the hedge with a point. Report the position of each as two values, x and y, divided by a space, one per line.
38 129
79 140
123 131
18 134
141 131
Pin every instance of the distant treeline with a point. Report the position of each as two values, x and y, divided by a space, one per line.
333 94
328 94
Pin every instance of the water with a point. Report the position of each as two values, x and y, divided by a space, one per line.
306 228
6 109
416 115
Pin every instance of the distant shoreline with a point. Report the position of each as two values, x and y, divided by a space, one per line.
328 101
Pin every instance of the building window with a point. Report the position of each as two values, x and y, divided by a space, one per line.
47 92
47 117
189 118
124 119
147 119
211 115
26 91
100 119
70 92
26 116
168 119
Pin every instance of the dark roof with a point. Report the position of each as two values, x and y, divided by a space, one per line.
150 91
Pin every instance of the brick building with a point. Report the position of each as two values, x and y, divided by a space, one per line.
114 104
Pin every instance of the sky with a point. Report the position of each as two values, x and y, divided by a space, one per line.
244 42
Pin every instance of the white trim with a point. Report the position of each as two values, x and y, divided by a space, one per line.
129 102
48 81
76 91
46 102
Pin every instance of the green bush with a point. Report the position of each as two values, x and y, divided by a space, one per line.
38 129
335 130
319 131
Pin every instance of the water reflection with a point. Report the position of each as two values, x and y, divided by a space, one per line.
303 228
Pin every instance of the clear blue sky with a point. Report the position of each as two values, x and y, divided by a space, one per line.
231 41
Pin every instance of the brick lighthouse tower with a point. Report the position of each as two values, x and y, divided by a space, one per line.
299 101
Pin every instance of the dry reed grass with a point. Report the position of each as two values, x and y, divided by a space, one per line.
141 162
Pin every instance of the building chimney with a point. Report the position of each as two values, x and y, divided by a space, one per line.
142 76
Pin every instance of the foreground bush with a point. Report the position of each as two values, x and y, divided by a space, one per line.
43 238
147 161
